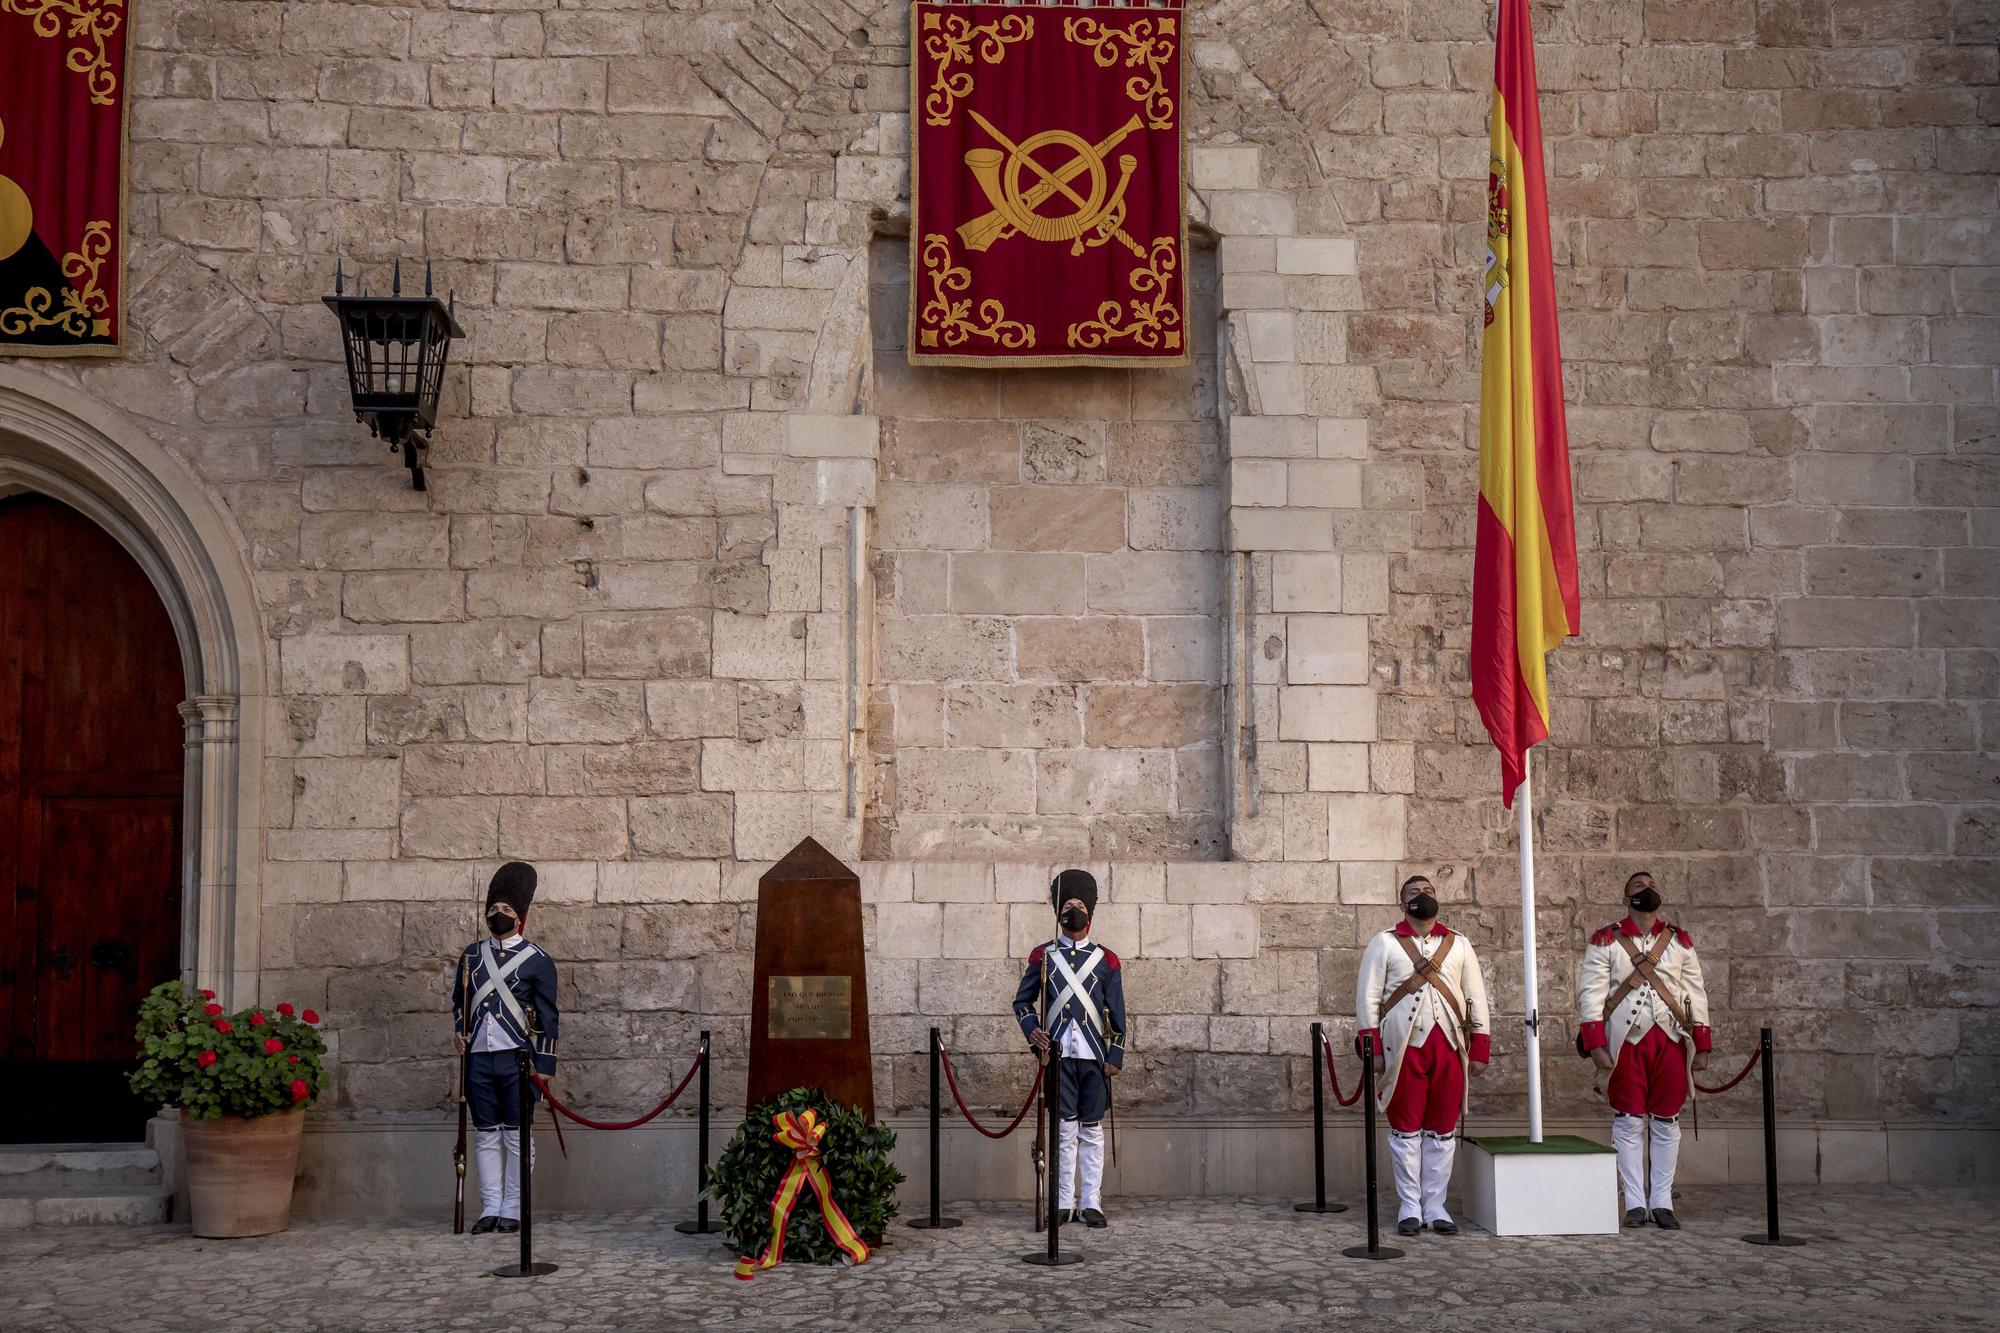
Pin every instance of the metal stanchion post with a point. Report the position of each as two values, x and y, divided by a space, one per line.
1374 1249
527 1267
1055 1255
1771 1234
1319 1203
936 1221
701 1226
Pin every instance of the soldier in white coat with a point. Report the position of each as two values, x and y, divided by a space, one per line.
1421 996
1642 1016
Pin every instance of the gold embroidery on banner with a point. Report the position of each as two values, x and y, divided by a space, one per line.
1101 214
91 25
84 306
950 322
1153 320
1147 42
951 39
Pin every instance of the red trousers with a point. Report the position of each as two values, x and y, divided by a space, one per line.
1650 1078
1430 1090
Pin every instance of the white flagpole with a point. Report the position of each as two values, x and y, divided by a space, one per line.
1524 804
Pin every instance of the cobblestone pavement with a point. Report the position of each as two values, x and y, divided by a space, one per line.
1879 1260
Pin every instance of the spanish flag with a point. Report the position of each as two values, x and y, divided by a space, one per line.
1524 595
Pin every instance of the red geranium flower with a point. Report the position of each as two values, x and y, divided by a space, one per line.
310 1016
286 1010
299 1090
224 1025
205 1059
213 1010
292 1059
256 1019
273 1046
207 994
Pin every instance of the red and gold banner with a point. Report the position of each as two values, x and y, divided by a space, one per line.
1524 586
62 177
1047 223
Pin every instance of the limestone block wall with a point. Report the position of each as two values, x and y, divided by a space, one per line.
625 633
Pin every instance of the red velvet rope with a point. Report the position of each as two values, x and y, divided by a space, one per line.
1326 1049
1755 1056
588 1123
944 1057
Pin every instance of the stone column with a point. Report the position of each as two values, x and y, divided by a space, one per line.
213 929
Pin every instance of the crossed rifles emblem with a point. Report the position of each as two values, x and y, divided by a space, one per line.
1099 214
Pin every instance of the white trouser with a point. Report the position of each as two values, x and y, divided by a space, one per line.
1438 1151
1406 1157
1666 1132
510 1195
1082 1155
1628 1136
491 1153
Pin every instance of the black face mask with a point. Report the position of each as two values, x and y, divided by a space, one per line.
500 924
1422 906
1645 900
1074 919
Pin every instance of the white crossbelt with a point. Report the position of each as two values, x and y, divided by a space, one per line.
1073 986
497 973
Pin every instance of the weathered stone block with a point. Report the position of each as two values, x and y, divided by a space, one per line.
1083 649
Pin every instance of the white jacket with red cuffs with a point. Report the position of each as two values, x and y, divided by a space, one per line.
1385 965
1606 964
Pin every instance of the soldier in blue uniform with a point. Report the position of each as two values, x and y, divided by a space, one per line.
503 1002
1079 983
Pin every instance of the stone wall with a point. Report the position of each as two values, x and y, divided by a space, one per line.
614 635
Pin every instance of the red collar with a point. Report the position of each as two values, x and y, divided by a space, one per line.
1630 927
1437 929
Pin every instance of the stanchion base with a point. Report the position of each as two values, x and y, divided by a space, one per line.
1786 1242
1060 1258
1363 1252
698 1228
527 1270
1315 1208
942 1224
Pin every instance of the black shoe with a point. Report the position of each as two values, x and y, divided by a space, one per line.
1635 1217
1066 1216
1094 1217
1664 1219
1409 1226
510 1224
1444 1226
484 1225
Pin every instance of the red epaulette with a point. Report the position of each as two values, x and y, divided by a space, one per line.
1682 938
1606 936
1035 958
1110 959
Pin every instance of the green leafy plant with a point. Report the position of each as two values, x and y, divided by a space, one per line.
208 1063
856 1156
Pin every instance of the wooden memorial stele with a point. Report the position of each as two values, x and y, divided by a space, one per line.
809 1005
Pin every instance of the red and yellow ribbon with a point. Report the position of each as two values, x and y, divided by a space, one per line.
801 1132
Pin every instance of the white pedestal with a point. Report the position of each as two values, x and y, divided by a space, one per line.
1565 1186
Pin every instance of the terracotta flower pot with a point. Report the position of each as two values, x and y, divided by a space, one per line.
239 1172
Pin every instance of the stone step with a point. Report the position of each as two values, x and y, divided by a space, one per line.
77 1168
130 1206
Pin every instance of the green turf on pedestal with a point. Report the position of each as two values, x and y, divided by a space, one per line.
1502 1145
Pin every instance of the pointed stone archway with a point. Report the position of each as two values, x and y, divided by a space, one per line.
58 441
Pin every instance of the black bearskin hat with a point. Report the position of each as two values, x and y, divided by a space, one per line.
514 885
1078 884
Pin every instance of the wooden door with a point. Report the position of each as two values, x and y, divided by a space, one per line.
90 820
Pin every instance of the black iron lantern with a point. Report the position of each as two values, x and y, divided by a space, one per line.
396 349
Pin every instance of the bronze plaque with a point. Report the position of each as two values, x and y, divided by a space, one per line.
804 1008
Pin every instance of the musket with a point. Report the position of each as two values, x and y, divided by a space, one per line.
1040 1156
458 1153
